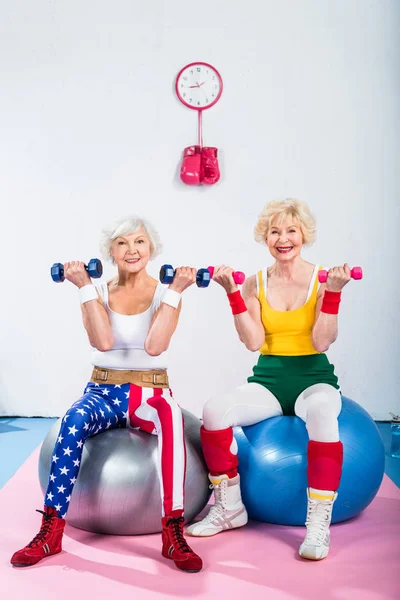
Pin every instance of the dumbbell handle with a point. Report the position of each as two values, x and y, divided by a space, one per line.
356 273
167 274
238 276
94 268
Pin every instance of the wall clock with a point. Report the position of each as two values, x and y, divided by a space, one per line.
199 85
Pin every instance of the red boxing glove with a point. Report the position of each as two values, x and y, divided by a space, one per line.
209 166
191 165
330 302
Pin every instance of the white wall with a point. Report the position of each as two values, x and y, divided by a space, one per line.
91 130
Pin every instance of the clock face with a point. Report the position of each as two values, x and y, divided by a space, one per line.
198 86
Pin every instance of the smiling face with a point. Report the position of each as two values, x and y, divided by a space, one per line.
285 239
131 252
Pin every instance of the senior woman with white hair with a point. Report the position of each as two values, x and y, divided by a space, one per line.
129 322
292 321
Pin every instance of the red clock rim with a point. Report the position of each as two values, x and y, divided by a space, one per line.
220 89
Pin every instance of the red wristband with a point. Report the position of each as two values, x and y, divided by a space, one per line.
237 303
330 302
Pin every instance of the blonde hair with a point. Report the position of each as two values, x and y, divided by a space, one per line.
125 226
278 211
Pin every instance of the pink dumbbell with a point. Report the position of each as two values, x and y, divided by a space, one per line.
238 276
356 273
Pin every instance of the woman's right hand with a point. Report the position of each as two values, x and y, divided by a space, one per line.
184 277
224 276
76 273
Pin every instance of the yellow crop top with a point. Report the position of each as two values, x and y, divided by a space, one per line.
288 333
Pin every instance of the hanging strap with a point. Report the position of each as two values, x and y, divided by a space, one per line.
200 128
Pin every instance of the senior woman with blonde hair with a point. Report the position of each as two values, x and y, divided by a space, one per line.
292 320
129 322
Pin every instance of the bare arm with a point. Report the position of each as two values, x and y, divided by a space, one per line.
325 329
94 315
165 320
162 328
97 325
248 324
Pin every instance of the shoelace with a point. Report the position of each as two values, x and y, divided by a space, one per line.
217 509
44 530
317 519
177 533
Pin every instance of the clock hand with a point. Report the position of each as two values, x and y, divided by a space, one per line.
193 86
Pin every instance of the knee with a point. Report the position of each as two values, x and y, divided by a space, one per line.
323 410
166 408
216 414
76 420
322 423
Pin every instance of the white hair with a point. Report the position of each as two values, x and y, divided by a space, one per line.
126 226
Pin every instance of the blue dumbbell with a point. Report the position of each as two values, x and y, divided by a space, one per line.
94 268
203 277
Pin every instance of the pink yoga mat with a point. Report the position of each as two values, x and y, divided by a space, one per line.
258 562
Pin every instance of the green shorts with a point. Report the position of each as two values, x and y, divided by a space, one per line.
288 376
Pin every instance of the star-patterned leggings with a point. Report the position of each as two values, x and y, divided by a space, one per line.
105 407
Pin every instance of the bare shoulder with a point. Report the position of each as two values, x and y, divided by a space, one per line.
250 286
111 284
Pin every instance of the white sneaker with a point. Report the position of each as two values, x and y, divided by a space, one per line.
319 515
228 512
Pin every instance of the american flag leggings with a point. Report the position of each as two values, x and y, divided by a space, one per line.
104 407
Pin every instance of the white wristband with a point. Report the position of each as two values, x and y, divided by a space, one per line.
171 298
87 293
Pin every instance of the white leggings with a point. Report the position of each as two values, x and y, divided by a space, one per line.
318 406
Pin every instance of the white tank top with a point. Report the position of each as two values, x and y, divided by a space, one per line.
129 332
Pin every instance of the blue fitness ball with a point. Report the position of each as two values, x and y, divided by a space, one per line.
273 466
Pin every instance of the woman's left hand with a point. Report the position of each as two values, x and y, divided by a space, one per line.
224 276
338 277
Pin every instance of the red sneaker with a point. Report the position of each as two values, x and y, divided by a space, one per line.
45 543
175 546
